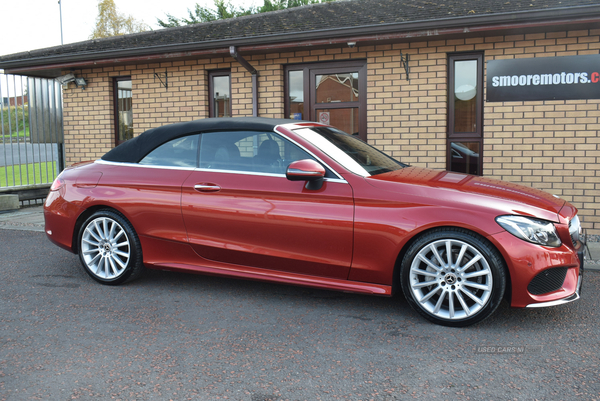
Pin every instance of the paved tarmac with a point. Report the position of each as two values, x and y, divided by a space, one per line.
32 219
27 219
180 336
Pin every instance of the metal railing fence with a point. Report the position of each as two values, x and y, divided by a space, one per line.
31 144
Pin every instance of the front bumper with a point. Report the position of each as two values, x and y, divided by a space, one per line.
525 262
566 300
571 298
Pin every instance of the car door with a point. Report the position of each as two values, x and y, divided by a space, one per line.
240 209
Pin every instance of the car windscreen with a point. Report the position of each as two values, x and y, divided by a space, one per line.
349 151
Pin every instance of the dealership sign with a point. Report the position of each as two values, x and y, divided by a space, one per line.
544 78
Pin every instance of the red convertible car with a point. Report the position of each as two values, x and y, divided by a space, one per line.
306 204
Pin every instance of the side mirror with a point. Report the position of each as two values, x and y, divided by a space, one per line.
306 170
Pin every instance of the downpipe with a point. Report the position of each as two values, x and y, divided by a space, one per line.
233 52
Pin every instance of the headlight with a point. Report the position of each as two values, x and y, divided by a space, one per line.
539 232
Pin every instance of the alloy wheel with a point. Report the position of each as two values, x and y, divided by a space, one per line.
105 248
450 279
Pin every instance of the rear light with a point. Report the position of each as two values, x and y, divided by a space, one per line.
57 184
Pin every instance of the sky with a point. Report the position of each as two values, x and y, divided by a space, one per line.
35 24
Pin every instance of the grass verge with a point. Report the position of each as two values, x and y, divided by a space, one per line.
15 136
27 174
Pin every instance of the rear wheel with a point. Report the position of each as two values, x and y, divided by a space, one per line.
109 248
453 277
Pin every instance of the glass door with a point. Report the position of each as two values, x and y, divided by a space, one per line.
465 113
329 93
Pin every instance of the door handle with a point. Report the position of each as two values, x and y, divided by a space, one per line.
205 187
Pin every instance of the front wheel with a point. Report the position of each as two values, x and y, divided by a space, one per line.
109 248
453 277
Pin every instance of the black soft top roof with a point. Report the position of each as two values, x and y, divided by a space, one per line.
133 150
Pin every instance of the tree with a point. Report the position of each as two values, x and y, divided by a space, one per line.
275 5
200 14
223 10
110 22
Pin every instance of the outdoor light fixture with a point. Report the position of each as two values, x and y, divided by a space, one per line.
65 79
80 82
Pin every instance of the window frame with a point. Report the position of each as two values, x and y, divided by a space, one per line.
211 75
116 81
476 136
311 108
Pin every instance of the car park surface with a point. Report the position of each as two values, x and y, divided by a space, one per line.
172 335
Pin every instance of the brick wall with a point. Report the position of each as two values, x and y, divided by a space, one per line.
551 145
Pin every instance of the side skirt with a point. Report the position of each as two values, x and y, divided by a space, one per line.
280 277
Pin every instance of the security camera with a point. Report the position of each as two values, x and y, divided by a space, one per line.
351 44
65 79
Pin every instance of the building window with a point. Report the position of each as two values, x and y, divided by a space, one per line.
123 109
465 113
219 87
331 93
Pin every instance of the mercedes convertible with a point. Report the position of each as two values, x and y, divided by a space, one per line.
303 203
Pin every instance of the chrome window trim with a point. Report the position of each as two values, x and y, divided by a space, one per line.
306 150
208 170
212 170
100 161
332 151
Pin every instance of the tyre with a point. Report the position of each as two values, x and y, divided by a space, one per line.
453 277
109 248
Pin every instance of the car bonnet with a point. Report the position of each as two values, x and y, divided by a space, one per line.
453 187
